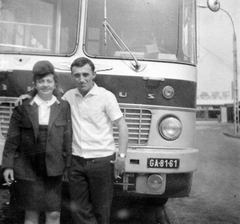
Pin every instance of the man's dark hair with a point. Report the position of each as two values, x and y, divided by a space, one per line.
80 62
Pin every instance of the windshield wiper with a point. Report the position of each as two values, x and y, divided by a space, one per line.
118 41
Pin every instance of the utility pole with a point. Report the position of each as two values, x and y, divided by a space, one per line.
214 5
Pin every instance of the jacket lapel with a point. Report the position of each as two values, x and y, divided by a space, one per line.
32 111
55 110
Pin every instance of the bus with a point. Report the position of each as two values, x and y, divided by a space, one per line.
144 52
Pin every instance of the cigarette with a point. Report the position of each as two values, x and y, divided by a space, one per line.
5 184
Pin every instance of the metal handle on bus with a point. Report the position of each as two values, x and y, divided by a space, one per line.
154 78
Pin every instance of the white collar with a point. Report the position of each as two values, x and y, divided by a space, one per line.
39 101
93 91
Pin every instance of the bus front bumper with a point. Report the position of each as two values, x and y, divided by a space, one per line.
137 160
153 172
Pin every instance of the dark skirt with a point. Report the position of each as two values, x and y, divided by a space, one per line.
44 194
40 195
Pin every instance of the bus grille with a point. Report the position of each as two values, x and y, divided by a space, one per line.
138 122
6 107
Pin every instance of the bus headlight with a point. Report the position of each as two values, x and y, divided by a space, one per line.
170 128
155 182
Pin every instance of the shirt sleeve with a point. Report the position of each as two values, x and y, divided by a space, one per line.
112 107
67 96
64 96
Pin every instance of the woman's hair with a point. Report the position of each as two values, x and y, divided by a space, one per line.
40 70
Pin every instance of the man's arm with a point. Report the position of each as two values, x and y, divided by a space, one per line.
123 135
123 143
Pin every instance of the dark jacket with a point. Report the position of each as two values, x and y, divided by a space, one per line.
22 138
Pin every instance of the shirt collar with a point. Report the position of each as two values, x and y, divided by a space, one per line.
39 101
93 91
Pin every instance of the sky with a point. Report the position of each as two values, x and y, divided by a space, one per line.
215 51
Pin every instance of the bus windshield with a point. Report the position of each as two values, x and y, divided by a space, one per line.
149 29
38 26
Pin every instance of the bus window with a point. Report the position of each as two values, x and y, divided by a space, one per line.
188 27
38 26
151 29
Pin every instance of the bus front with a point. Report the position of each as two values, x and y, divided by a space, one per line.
144 52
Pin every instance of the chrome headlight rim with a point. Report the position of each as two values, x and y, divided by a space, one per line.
158 182
168 92
165 123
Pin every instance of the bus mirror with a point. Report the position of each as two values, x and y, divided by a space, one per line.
213 5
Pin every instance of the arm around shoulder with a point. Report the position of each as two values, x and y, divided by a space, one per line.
21 98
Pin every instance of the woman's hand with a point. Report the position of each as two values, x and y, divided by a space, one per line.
8 175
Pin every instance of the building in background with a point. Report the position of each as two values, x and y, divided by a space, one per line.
215 60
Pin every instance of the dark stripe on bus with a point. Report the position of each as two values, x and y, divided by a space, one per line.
136 90
127 89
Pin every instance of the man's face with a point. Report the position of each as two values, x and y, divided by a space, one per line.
84 78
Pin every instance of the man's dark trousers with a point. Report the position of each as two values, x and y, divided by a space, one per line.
91 189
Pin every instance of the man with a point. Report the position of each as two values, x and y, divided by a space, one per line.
91 174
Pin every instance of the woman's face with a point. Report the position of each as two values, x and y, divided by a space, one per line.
45 86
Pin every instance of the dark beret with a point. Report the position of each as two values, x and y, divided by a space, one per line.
43 68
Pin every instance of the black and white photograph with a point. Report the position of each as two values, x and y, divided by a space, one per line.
119 112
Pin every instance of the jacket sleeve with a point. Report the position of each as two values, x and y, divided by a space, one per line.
68 136
13 138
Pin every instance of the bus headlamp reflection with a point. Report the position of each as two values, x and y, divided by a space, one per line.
170 128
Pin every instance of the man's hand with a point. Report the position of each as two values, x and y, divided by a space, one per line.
8 175
119 166
21 98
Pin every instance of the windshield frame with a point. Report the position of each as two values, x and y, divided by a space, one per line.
193 60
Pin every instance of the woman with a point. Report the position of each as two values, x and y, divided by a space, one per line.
37 151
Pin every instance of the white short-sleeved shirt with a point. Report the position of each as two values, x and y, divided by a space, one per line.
92 120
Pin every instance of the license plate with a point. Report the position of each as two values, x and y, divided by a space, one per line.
163 163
